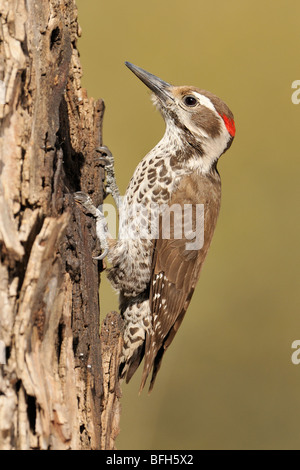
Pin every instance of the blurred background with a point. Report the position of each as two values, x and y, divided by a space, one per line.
227 381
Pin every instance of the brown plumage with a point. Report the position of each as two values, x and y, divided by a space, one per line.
176 270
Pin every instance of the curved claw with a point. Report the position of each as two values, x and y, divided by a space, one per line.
104 150
106 158
81 197
100 257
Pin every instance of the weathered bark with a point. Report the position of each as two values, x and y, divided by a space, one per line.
51 387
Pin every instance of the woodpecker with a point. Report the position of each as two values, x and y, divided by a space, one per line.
156 276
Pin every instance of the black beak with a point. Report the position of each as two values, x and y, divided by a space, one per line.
157 85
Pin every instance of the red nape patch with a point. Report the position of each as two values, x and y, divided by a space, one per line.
229 123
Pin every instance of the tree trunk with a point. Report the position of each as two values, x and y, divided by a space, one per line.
52 392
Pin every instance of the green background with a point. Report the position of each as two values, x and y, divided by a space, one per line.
227 381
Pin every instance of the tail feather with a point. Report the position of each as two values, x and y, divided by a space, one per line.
149 358
137 317
134 363
153 358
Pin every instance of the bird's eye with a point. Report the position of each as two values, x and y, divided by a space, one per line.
190 100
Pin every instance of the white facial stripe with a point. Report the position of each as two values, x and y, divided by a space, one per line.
204 101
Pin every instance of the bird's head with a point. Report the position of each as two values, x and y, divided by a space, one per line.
200 118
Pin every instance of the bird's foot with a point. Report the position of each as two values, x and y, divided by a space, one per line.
107 160
101 226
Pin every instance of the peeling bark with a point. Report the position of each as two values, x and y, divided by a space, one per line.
52 391
111 348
